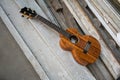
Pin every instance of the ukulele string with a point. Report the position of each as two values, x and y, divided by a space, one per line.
53 26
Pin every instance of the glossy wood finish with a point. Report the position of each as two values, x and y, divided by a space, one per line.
77 49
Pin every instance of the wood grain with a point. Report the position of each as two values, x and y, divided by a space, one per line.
111 21
77 48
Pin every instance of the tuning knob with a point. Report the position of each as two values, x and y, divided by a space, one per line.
22 16
28 9
27 17
33 11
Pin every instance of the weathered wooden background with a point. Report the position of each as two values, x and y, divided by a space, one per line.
40 44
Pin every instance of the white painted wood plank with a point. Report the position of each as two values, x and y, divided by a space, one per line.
111 19
57 67
111 16
46 10
81 17
107 12
118 36
112 9
105 20
27 52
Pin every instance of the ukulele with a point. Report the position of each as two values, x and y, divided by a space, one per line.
85 48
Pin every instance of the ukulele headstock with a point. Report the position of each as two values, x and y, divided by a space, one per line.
27 12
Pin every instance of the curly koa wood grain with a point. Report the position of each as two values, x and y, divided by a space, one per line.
85 51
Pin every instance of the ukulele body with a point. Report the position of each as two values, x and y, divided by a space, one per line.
80 55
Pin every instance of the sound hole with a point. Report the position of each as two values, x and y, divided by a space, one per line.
73 39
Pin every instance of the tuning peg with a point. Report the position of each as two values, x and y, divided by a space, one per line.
28 9
30 15
24 12
22 16
27 17
33 11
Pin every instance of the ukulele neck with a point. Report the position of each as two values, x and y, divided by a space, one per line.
53 26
